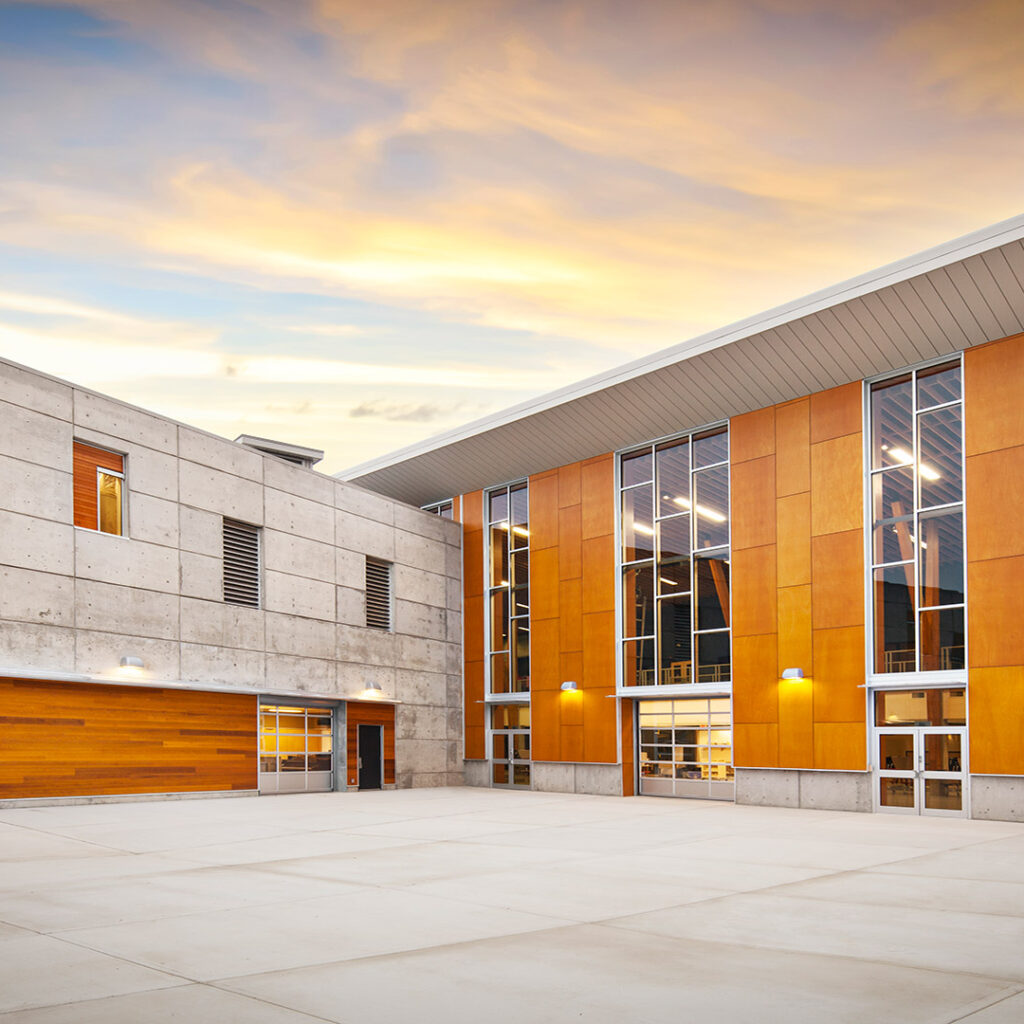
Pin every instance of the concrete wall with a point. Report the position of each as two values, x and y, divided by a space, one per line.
818 790
75 601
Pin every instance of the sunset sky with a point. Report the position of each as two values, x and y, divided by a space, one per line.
353 224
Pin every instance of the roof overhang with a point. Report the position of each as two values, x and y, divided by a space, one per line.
963 293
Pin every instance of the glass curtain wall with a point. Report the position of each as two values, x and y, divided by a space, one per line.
917 521
508 630
674 549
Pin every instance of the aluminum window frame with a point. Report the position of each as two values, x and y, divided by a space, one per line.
719 688
918 678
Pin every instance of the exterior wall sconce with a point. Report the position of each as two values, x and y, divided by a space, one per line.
792 674
570 686
129 663
373 691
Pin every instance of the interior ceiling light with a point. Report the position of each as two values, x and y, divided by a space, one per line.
640 528
923 468
702 510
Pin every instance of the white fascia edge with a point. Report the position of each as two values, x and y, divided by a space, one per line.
882 277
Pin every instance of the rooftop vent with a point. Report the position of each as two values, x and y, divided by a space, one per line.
293 453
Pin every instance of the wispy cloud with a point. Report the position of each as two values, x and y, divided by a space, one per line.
410 413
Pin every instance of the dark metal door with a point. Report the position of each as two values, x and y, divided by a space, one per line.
371 740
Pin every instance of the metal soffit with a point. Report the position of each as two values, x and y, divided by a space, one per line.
966 292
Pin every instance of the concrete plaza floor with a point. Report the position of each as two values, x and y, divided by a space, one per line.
461 905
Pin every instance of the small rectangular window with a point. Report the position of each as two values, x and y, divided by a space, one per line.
98 489
241 563
378 594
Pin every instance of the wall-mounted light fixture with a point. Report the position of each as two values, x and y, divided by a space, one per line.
792 673
373 691
131 664
570 686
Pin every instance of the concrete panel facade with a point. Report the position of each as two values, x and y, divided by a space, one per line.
75 601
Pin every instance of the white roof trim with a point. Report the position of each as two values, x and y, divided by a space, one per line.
893 273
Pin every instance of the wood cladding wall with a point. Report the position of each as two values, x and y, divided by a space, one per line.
77 739
798 583
572 612
994 517
359 713
86 461
471 509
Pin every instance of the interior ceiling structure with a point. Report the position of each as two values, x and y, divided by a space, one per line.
964 293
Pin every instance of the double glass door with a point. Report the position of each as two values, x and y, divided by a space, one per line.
922 770
920 751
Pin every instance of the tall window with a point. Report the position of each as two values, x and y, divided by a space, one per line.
674 549
917 521
508 589
98 489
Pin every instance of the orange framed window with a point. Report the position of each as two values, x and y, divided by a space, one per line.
99 489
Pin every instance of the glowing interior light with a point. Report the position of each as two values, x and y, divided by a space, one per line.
502 526
504 583
521 530
702 510
640 528
668 582
902 455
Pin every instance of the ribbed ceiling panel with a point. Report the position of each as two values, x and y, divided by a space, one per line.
968 299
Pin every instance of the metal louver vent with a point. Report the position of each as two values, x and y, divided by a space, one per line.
378 594
241 564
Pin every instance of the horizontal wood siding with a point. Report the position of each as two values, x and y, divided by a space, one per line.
369 713
78 739
86 461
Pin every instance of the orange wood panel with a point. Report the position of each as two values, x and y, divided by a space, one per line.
837 411
996 638
837 564
544 584
570 539
571 737
993 411
796 642
599 712
597 496
599 574
754 602
755 679
628 747
996 697
569 485
359 713
545 725
793 532
796 724
756 745
753 503
544 655
994 497
752 435
839 674
544 511
86 460
78 739
793 447
840 746
837 485
473 544
570 620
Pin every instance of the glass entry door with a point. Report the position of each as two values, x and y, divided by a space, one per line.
922 771
920 752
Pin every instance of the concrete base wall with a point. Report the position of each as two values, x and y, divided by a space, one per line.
823 791
477 773
997 797
590 779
